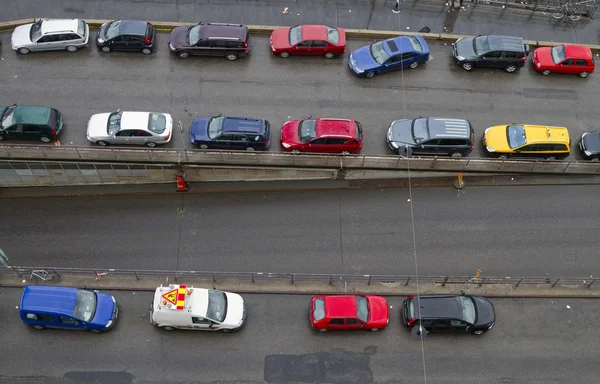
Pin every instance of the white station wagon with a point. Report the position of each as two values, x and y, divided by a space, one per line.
136 128
51 35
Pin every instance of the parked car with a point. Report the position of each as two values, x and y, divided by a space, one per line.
449 313
347 312
231 133
126 35
322 135
389 55
589 145
490 51
50 35
135 128
525 140
27 122
432 136
210 39
67 308
567 58
311 40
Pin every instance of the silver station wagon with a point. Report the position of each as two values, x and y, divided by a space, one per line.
51 35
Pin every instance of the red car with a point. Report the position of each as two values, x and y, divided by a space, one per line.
349 312
571 59
312 40
322 136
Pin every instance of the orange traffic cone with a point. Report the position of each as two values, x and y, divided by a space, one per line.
181 184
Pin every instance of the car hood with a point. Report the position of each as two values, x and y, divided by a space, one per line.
97 125
104 309
400 132
591 141
543 56
280 38
378 309
495 138
464 47
199 128
362 58
178 37
289 132
485 311
20 35
235 310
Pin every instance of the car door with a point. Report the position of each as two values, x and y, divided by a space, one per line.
317 145
582 65
351 145
458 326
491 60
352 323
69 322
136 43
31 132
441 325
303 48
530 150
203 48
239 142
118 43
220 47
224 141
567 66
70 39
429 147
319 48
45 43
391 64
122 137
336 324
139 136
448 146
201 323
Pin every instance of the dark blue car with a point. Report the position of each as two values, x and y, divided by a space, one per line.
389 55
67 308
231 133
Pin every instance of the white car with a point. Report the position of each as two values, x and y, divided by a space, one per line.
200 309
50 35
137 128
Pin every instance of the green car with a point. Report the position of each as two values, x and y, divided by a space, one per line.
24 122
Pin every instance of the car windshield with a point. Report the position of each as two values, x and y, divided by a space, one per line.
420 130
157 123
8 117
362 308
333 35
81 28
36 31
516 135
481 45
319 309
468 309
558 54
113 29
85 305
194 35
217 305
378 52
114 123
215 127
307 130
416 44
295 35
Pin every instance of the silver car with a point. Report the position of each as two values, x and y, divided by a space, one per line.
51 35
136 128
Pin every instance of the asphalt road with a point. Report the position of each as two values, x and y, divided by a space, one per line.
505 231
533 342
89 82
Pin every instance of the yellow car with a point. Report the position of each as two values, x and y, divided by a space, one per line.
524 140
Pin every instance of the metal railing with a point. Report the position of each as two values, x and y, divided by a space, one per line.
55 274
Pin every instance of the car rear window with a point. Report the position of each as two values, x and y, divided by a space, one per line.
295 35
307 130
516 135
416 44
157 123
333 35
81 28
319 309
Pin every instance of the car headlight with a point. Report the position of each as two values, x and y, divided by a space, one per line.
101 41
171 47
459 57
489 149
108 324
113 299
587 153
285 145
491 326
538 64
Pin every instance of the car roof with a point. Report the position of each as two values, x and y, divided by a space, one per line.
340 306
340 127
542 133
51 26
49 298
314 32
133 27
242 124
28 114
445 127
399 44
236 31
506 43
436 307
134 120
578 51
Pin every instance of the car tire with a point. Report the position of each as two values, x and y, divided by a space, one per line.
550 157
203 146
478 332
184 54
23 51
456 154
151 144
146 51
502 156
231 56
583 75
96 331
546 72
329 55
226 330
368 75
468 66
284 55
1 137
511 68
414 65
250 149
71 48
322 330
102 143
295 151
167 328
45 139
374 329
105 49
38 327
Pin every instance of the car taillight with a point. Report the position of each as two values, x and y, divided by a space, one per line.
146 40
471 147
524 58
53 132
412 322
168 136
245 47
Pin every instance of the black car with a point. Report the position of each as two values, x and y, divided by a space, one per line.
432 136
231 133
490 51
211 39
589 145
126 35
25 122
449 313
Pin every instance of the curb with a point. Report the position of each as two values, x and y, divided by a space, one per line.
265 30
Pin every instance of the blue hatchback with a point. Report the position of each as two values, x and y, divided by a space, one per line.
389 55
67 308
231 133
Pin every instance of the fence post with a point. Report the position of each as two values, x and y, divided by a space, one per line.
569 163
407 280
253 277
481 282
330 279
445 280
590 284
136 275
214 280
557 280
292 278
519 282
369 283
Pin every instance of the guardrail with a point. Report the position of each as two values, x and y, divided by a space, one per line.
53 274
275 159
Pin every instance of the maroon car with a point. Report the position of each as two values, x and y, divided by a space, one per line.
313 40
211 39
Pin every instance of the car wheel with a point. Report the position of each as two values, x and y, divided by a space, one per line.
369 74
295 151
583 74
1 137
550 157
203 146
284 55
184 55
45 139
38 327
511 68
502 156
456 154
105 49
231 56
414 65
71 48
96 331
468 66
102 143
226 330
329 55
250 149
478 332
151 144
322 330
545 72
24 51
595 159
374 329
167 328
146 51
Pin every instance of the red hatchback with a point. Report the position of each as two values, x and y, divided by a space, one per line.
312 40
322 136
571 59
349 312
